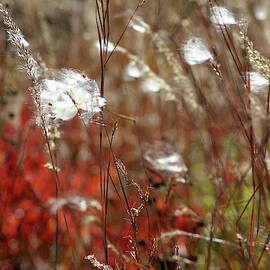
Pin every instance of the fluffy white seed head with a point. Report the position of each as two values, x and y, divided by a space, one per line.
161 157
97 263
135 70
258 83
70 92
195 51
153 83
137 23
221 16
260 12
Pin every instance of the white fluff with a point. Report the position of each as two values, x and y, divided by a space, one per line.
135 70
221 15
260 12
137 23
196 51
62 97
258 83
161 157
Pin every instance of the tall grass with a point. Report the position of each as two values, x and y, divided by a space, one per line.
140 140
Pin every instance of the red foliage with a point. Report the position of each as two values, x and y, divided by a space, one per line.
28 227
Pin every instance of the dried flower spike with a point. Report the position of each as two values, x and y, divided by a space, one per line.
21 45
256 58
96 263
137 23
